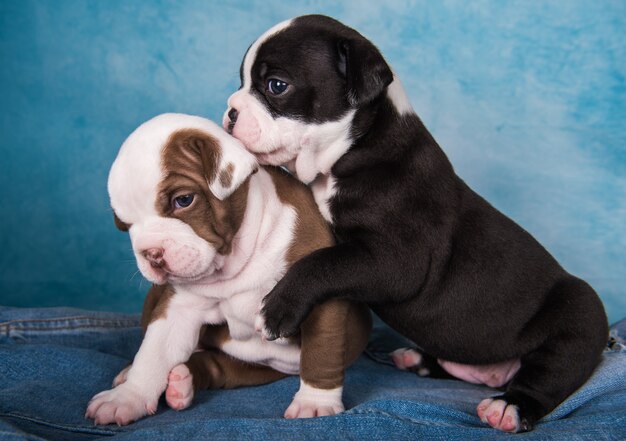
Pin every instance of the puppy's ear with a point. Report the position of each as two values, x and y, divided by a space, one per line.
366 72
227 164
122 226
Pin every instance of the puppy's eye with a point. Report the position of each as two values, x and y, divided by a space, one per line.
182 201
276 87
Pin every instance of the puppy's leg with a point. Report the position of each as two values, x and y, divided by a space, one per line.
153 298
332 337
213 369
168 341
574 325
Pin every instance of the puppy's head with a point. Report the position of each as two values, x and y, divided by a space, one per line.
179 186
301 84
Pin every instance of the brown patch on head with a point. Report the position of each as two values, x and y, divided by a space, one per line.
312 231
226 175
122 226
190 161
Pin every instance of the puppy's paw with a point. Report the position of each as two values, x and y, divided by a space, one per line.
312 402
266 335
179 392
121 377
409 359
499 415
121 405
283 314
311 409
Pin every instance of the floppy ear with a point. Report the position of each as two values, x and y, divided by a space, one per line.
366 71
227 164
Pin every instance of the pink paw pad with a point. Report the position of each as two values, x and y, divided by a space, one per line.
405 358
179 392
499 415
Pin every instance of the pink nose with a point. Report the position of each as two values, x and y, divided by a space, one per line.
155 257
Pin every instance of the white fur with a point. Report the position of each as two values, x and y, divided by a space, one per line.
209 288
167 343
311 402
398 96
133 182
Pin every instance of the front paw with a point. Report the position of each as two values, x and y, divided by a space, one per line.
311 402
281 315
121 405
259 326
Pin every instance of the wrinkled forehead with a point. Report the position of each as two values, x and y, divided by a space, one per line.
138 170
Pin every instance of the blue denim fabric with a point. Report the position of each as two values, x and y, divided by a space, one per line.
52 361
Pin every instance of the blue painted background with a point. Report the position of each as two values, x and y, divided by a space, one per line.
527 98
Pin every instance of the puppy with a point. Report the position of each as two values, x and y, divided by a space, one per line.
214 233
478 294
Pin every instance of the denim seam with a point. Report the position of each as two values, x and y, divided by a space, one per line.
62 426
67 328
25 325
65 319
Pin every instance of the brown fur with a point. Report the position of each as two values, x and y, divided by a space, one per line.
312 232
155 304
190 160
335 331
213 369
334 334
226 175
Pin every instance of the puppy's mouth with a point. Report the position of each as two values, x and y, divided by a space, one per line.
163 273
230 127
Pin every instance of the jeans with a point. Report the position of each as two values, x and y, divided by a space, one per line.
53 360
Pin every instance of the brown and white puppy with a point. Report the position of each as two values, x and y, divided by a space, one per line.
214 233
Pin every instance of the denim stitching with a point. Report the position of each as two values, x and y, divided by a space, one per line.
62 324
67 319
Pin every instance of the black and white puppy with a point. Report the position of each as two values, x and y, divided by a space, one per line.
477 293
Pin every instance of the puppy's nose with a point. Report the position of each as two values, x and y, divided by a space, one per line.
232 115
232 118
155 257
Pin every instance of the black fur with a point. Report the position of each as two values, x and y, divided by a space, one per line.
431 257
